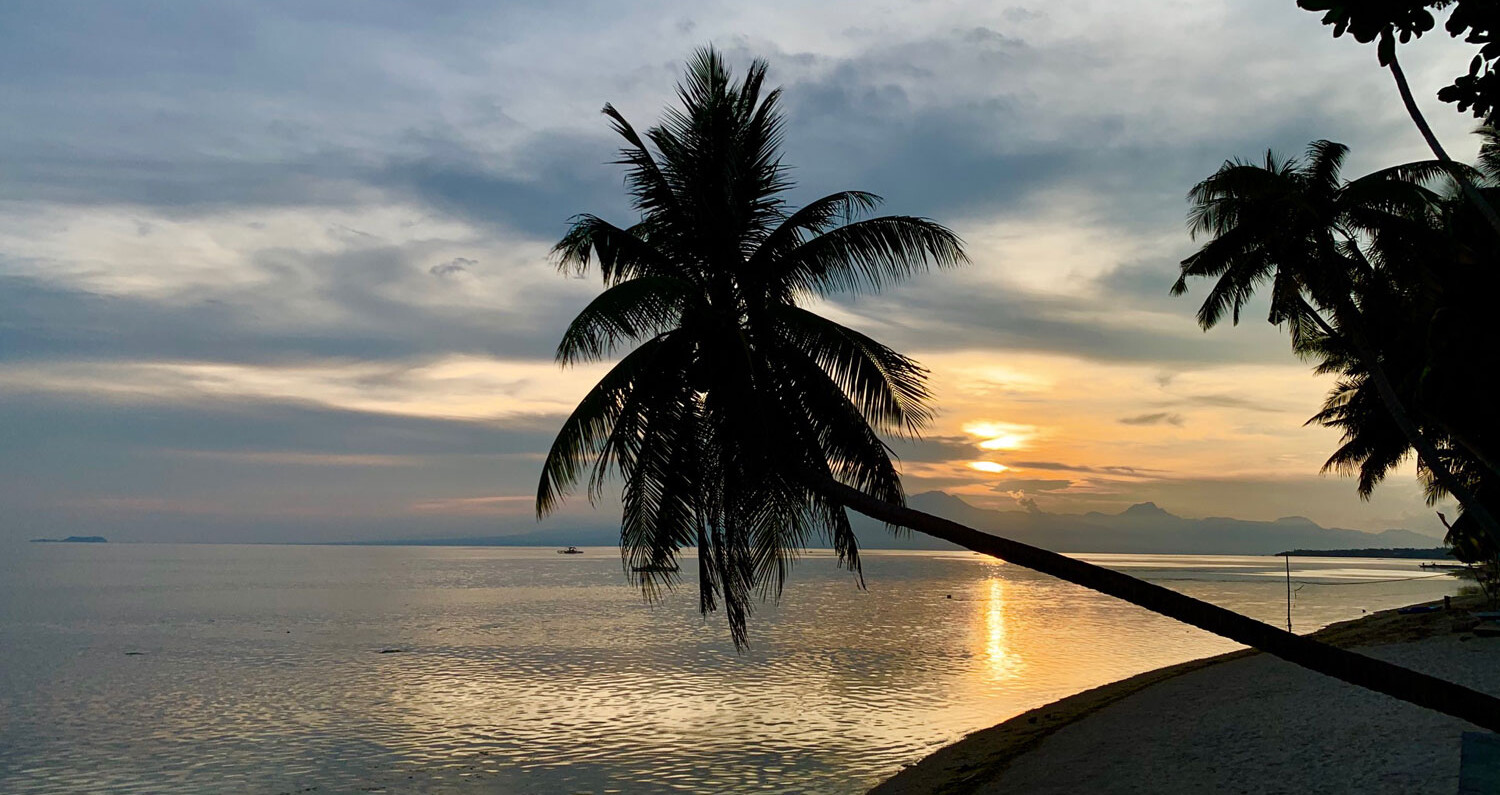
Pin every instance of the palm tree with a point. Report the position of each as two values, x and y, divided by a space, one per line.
735 390
1431 283
1299 226
745 425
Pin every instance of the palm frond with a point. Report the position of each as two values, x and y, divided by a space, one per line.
1422 173
644 179
621 253
869 255
1218 202
1489 154
810 220
585 431
1240 262
1324 161
629 311
661 493
889 389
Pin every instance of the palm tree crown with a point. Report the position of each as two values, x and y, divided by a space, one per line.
1367 274
1299 225
734 397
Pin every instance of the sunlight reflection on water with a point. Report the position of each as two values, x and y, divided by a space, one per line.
141 669
1002 662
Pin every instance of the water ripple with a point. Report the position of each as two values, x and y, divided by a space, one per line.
162 669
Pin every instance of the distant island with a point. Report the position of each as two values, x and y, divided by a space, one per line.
1432 553
72 540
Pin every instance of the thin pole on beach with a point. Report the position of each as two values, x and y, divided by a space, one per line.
1288 591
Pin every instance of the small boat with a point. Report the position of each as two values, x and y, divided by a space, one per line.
570 551
1444 566
654 569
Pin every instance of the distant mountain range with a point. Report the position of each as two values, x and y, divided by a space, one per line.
1142 528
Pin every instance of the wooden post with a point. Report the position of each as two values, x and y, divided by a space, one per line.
1288 592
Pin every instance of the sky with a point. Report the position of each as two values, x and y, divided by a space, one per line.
278 271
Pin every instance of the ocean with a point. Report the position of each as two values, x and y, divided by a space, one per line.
154 668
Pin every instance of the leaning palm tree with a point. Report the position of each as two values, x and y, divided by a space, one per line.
744 425
1299 226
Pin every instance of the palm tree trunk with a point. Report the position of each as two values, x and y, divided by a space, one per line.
1417 688
1438 151
1414 436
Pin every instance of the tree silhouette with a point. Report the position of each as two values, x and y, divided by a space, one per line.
1299 226
735 390
745 425
1425 298
1387 21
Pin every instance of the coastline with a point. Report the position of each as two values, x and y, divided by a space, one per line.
977 760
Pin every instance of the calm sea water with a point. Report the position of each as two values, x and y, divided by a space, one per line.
270 669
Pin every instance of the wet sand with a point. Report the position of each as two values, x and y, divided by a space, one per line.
1241 722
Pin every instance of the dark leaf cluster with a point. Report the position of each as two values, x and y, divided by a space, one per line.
733 400
1389 21
1389 277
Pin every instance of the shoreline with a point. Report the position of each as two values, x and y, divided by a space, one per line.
977 759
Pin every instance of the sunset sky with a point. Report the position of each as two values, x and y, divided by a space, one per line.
278 270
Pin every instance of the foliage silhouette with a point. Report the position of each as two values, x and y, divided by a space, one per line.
1387 21
1354 268
734 389
746 425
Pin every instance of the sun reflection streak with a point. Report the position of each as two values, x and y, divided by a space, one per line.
1001 662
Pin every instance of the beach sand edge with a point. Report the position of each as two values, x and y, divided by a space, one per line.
966 765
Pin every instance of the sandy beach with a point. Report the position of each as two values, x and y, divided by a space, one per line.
1242 722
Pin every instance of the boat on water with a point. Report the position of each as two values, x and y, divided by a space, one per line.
1444 566
570 551
654 569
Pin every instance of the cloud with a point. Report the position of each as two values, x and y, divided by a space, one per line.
1155 418
241 240
1022 485
1232 401
469 388
272 287
507 505
931 449
244 469
1101 470
959 311
453 267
